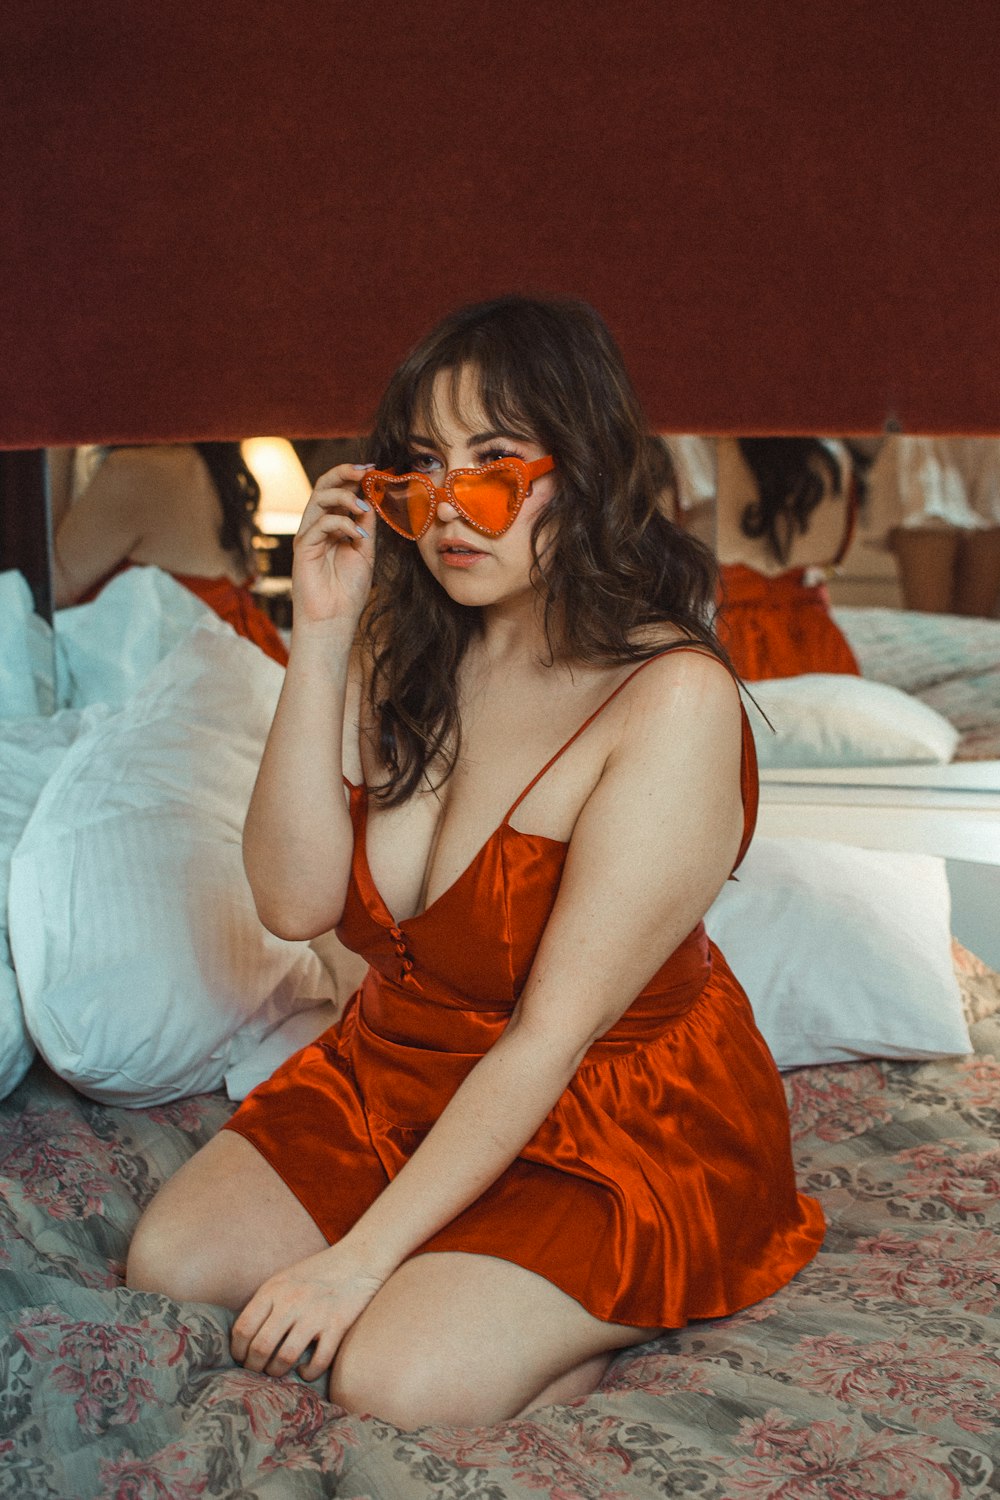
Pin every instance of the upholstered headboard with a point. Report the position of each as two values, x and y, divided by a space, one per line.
230 218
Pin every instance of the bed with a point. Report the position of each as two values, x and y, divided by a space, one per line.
949 662
874 1373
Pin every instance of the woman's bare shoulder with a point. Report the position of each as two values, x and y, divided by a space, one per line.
152 458
670 643
151 476
684 683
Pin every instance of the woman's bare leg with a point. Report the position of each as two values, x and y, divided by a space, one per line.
461 1339
977 573
219 1227
470 1340
579 1381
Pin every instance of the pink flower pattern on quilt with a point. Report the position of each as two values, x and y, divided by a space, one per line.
923 1378
835 1461
873 1374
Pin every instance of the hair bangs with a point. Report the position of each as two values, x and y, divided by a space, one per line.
477 393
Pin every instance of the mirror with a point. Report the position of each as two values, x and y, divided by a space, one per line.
885 571
27 660
894 543
948 662
888 481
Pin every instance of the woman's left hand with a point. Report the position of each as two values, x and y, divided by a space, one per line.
316 1300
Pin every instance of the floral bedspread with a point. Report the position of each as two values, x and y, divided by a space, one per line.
950 662
875 1373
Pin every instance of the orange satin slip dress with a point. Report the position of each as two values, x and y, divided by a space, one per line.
780 625
234 603
659 1188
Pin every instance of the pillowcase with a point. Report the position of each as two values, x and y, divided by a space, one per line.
145 972
30 752
105 650
835 719
27 674
843 952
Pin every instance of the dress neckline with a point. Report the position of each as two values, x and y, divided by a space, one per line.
397 923
360 790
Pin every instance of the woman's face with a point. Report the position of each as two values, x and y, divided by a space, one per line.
474 569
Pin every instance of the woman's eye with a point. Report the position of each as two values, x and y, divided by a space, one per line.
489 455
423 463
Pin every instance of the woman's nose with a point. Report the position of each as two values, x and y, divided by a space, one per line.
446 512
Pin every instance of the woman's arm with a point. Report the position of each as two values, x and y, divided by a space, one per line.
651 848
97 533
298 838
59 464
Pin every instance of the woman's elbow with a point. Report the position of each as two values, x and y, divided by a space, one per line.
295 922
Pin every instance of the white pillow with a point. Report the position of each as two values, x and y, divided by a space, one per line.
27 674
106 649
346 971
835 719
30 751
844 953
144 970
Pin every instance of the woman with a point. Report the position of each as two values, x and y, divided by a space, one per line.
187 508
785 516
546 1127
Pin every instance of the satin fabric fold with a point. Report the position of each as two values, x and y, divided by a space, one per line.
659 1188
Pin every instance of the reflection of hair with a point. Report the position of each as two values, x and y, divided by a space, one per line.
239 494
612 563
790 485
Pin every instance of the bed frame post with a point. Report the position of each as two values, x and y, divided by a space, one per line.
25 522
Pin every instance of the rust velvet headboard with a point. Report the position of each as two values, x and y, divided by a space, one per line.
223 219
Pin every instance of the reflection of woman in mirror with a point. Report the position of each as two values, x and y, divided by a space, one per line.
187 508
545 1127
936 501
785 515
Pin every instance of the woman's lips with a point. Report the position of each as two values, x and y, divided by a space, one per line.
458 555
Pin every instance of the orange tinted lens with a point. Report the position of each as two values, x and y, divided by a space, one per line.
405 503
488 500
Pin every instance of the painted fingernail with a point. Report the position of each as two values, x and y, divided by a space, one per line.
364 466
361 531
363 504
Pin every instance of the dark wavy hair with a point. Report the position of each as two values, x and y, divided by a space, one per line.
612 562
791 476
239 495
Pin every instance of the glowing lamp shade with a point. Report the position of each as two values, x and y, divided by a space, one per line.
284 487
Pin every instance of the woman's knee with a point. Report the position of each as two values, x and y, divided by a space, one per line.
150 1260
411 1391
219 1227
467 1341
166 1257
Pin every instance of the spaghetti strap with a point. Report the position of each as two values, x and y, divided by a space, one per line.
674 646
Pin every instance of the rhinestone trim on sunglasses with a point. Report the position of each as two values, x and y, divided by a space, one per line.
376 481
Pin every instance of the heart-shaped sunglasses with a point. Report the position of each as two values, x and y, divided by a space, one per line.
488 498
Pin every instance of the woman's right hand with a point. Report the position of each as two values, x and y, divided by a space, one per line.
334 550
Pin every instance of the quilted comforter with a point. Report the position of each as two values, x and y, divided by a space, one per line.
875 1373
950 662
